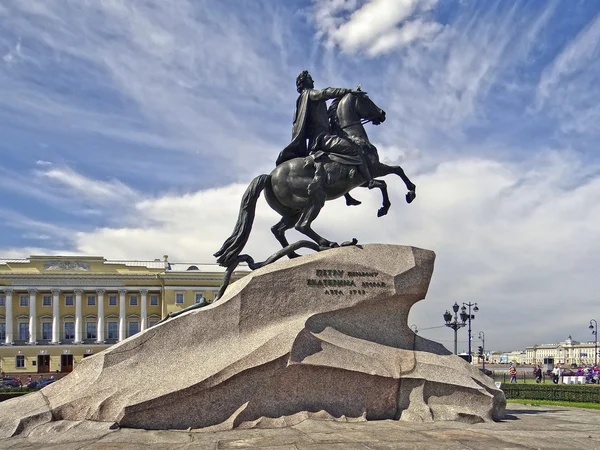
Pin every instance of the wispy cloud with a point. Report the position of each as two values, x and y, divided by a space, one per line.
568 86
167 75
97 192
13 54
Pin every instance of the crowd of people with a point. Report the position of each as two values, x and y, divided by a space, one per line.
591 374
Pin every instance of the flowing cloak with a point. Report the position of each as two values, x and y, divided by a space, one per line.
297 148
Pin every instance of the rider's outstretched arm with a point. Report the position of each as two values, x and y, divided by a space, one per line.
328 93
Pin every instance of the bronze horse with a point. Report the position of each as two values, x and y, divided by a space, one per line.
286 188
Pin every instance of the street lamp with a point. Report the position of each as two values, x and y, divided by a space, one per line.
470 317
456 324
482 337
594 329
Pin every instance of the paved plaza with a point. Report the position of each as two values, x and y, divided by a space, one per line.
525 427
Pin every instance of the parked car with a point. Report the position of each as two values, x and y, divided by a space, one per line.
10 382
487 372
40 383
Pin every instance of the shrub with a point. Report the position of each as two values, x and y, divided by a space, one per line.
12 394
555 392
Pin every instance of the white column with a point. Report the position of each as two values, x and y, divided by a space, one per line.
55 316
78 315
32 316
9 316
100 323
143 324
122 321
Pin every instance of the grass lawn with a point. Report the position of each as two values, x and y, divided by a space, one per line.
524 401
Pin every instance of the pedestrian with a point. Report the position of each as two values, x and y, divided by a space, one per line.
556 374
538 374
512 371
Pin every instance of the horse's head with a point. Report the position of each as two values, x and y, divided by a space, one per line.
367 109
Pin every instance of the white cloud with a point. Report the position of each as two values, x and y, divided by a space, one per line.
377 26
516 238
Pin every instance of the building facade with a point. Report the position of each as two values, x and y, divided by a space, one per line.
565 352
56 310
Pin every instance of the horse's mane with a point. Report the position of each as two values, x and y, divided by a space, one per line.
336 129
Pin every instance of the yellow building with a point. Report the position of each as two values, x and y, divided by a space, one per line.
56 310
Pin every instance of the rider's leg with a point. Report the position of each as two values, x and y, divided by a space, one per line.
363 168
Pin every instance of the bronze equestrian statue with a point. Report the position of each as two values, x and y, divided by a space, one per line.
337 158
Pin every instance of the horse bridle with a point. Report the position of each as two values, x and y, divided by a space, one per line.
361 121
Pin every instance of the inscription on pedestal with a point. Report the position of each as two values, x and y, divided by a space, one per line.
335 279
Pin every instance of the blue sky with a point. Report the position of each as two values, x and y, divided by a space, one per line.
130 130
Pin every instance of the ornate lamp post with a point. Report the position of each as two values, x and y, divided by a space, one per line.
594 329
482 337
456 324
470 317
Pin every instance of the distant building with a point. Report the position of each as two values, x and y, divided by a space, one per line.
56 310
565 352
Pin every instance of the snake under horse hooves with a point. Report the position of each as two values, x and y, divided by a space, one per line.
253 266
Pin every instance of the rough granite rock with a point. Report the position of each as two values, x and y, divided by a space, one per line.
321 336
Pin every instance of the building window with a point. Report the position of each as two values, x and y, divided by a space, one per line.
199 297
69 331
151 323
133 300
47 300
68 300
134 328
112 330
112 300
91 300
47 330
179 298
20 361
23 331
90 330
2 300
154 300
2 331
24 300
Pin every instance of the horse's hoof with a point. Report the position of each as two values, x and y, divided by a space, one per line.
410 196
353 202
383 211
354 241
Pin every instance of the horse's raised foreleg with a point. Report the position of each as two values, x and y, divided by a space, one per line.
279 229
381 170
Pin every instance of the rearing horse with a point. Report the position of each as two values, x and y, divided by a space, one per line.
286 188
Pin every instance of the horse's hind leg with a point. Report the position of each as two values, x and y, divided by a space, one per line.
279 229
310 214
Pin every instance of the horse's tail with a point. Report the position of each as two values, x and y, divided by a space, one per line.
234 245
